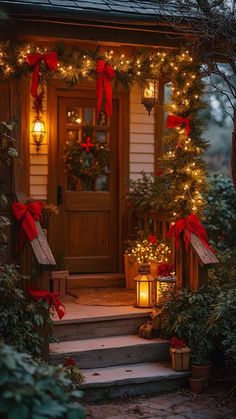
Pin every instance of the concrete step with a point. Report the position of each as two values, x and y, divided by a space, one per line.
106 325
131 379
109 280
111 351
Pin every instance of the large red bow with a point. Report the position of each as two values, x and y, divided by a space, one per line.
51 298
105 74
188 225
174 121
49 58
27 215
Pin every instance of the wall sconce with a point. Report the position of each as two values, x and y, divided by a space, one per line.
149 94
38 127
38 131
144 282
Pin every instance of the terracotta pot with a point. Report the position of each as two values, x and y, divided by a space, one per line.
180 358
201 371
196 384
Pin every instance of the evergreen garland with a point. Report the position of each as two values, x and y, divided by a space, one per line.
179 189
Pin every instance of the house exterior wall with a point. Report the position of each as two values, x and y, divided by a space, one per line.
142 139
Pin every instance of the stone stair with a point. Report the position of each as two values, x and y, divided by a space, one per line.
113 359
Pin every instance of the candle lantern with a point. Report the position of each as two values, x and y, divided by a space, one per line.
38 132
144 286
163 283
150 94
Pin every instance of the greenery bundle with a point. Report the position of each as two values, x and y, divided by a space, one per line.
21 317
30 389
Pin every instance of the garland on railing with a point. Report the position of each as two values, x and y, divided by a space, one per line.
180 184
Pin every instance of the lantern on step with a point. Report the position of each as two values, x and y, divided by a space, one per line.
149 94
144 287
165 281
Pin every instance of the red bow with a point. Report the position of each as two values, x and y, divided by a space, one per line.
174 121
49 58
190 224
27 214
87 145
152 239
51 298
105 74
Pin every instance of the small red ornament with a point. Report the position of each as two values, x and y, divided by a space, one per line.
152 239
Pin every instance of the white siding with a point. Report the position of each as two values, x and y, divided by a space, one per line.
39 160
142 136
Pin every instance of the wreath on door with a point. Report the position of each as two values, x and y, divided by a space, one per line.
86 159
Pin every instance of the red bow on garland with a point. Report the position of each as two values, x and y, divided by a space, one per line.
51 298
49 58
105 74
87 145
188 225
174 121
27 215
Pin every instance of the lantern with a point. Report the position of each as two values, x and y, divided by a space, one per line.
150 94
162 284
38 132
144 282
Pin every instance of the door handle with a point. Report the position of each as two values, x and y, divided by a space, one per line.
59 195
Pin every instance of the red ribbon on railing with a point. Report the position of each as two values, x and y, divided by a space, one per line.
174 121
27 215
49 58
52 298
188 225
87 145
105 74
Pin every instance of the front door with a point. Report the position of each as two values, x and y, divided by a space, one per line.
88 207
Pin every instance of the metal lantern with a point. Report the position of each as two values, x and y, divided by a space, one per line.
150 94
38 132
144 285
162 284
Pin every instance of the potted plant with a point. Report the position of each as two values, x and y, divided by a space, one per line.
144 248
180 354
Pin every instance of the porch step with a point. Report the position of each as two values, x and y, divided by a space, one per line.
134 379
95 280
100 326
111 351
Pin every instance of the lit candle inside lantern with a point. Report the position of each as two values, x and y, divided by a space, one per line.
144 291
149 91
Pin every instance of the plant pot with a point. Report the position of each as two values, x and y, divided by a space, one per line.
180 358
201 371
58 282
196 384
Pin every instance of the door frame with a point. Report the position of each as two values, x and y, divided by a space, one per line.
57 89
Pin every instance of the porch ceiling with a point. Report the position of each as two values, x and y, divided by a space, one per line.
121 21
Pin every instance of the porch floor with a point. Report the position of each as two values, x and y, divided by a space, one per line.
74 311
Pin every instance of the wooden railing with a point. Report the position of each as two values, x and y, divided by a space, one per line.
37 261
190 266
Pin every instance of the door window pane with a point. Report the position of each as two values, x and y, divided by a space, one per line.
88 115
74 116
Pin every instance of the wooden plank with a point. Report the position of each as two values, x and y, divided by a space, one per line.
206 256
41 249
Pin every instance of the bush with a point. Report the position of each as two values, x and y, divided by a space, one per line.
30 389
21 317
220 212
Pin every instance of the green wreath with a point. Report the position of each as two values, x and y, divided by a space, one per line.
86 158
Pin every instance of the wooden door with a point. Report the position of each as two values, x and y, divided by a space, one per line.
89 209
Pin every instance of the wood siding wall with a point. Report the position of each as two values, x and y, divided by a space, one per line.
39 159
142 136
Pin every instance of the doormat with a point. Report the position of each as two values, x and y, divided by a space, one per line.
110 297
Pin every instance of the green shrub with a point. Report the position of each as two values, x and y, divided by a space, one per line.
220 212
21 317
30 389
